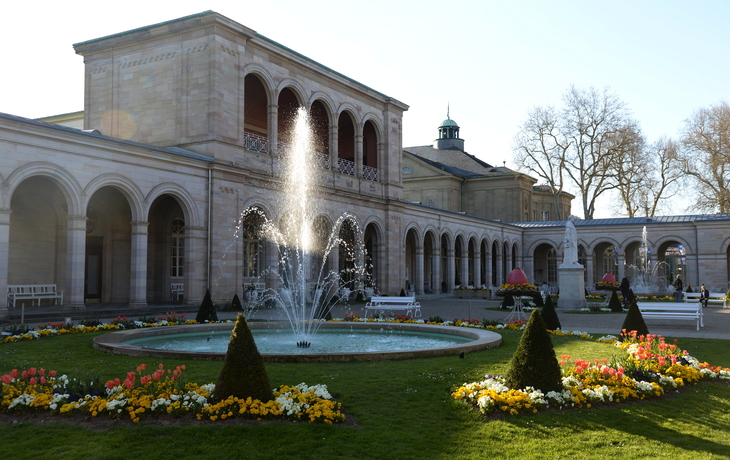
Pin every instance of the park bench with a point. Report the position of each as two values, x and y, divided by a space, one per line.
715 297
33 292
177 290
383 303
673 310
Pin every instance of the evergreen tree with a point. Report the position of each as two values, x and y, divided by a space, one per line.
549 315
236 303
508 301
634 321
534 363
243 373
206 312
614 304
537 298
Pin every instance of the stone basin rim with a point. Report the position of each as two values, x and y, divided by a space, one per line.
114 342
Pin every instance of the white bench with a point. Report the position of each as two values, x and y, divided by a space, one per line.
33 292
715 297
177 290
382 303
673 310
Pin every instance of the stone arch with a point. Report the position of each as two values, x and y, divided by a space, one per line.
266 79
126 186
184 198
66 182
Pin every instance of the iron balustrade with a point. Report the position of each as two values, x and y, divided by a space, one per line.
260 144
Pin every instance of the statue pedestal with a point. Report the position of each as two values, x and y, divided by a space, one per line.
572 288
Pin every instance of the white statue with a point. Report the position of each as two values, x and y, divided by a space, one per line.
570 244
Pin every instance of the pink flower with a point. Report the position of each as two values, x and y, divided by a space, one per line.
52 373
32 371
43 380
7 378
33 381
24 374
14 373
42 371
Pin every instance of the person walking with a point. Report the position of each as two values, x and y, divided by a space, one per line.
678 286
704 296
625 287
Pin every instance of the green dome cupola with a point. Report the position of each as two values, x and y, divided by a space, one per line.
449 135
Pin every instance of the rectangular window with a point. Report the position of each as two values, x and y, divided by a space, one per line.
546 215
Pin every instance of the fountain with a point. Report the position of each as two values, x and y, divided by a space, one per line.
646 277
298 254
295 240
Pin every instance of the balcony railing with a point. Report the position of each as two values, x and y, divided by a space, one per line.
346 166
370 173
257 143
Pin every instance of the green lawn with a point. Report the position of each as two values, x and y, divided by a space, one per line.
397 410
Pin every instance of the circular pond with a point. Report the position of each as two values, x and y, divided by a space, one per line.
352 342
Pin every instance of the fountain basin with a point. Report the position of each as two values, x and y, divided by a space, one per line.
480 339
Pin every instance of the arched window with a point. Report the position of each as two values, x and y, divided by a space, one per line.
252 245
609 261
552 266
177 249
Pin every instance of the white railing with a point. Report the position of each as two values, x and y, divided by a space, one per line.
255 142
346 166
370 173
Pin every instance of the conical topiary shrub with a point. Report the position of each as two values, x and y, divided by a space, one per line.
634 321
207 309
549 315
631 298
534 363
236 303
243 373
614 304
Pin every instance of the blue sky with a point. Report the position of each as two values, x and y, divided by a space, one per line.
491 61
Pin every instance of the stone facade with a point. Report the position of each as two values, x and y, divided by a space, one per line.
186 129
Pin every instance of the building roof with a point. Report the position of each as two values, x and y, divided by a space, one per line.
457 162
177 151
627 221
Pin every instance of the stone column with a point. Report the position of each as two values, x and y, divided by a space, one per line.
590 275
436 269
465 266
488 268
334 150
4 258
272 128
73 296
419 270
477 269
138 275
358 155
451 270
500 276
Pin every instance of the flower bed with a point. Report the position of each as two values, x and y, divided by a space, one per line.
649 369
159 392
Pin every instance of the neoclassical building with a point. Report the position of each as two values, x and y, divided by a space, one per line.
169 172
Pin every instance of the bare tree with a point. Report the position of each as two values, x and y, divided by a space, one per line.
539 149
705 156
578 145
629 167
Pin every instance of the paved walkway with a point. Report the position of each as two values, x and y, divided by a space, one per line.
716 319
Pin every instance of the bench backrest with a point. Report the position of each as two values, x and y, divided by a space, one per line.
385 299
177 287
31 289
